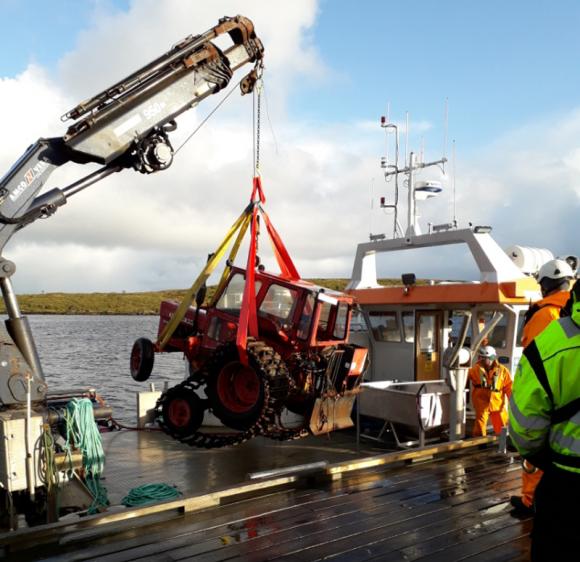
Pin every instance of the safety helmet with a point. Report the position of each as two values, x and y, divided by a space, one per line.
555 269
486 351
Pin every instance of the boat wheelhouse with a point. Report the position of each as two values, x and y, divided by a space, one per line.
409 326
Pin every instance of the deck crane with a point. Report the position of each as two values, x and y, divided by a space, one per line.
126 126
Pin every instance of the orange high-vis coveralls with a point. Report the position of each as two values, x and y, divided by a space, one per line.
547 309
491 391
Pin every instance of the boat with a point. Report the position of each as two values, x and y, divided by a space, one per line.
411 327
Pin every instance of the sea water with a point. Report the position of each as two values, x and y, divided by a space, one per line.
94 351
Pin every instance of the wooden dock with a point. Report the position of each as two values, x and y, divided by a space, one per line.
454 506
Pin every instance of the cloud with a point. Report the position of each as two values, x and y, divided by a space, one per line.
149 28
31 107
135 232
527 185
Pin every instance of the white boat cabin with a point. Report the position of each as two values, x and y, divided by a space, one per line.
407 327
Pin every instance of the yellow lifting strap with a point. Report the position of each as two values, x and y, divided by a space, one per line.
232 257
241 224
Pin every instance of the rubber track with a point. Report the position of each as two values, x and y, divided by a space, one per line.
277 384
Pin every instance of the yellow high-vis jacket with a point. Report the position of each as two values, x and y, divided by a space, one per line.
544 410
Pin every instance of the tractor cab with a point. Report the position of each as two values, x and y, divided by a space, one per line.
292 315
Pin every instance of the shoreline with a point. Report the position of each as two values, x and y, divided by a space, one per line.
125 303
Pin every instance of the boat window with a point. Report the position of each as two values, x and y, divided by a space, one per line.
498 336
409 326
306 317
456 318
339 332
385 326
278 302
231 299
427 333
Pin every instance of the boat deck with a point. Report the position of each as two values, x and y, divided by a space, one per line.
392 506
141 457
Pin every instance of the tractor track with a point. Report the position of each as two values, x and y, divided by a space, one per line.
277 384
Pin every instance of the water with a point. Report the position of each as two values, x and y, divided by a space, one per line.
93 351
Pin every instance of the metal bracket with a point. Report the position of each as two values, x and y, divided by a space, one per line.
7 268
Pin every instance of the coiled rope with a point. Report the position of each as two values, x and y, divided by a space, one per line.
150 493
47 462
82 432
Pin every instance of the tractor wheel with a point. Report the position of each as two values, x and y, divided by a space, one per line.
142 357
182 411
236 392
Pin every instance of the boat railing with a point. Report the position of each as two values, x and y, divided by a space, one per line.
493 263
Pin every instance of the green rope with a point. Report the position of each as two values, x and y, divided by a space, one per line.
150 493
82 432
49 471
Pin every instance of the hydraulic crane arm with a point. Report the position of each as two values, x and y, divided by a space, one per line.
127 125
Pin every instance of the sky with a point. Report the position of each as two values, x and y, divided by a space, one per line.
508 70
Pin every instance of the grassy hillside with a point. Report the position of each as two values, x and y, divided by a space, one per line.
121 303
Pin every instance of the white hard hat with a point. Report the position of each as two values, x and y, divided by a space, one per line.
487 351
555 269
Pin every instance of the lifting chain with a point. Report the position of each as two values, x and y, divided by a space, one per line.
277 383
257 124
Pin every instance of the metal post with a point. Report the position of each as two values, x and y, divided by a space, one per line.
411 199
457 404
19 329
28 441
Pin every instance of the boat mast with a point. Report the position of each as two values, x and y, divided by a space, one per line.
413 228
427 189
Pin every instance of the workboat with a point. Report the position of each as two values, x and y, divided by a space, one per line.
409 327
336 496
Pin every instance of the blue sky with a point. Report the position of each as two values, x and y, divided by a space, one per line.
499 63
42 31
508 69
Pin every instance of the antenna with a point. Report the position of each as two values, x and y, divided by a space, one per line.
372 189
453 182
445 127
387 136
406 136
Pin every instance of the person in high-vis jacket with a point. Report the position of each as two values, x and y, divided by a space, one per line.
544 425
491 385
554 278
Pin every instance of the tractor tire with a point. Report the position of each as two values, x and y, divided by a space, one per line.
142 358
182 411
236 393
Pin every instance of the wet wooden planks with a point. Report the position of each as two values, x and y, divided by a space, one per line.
453 508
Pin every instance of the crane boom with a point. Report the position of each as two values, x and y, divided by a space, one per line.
125 126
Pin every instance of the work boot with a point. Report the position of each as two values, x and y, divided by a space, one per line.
520 509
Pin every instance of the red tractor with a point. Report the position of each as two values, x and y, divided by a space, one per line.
300 361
